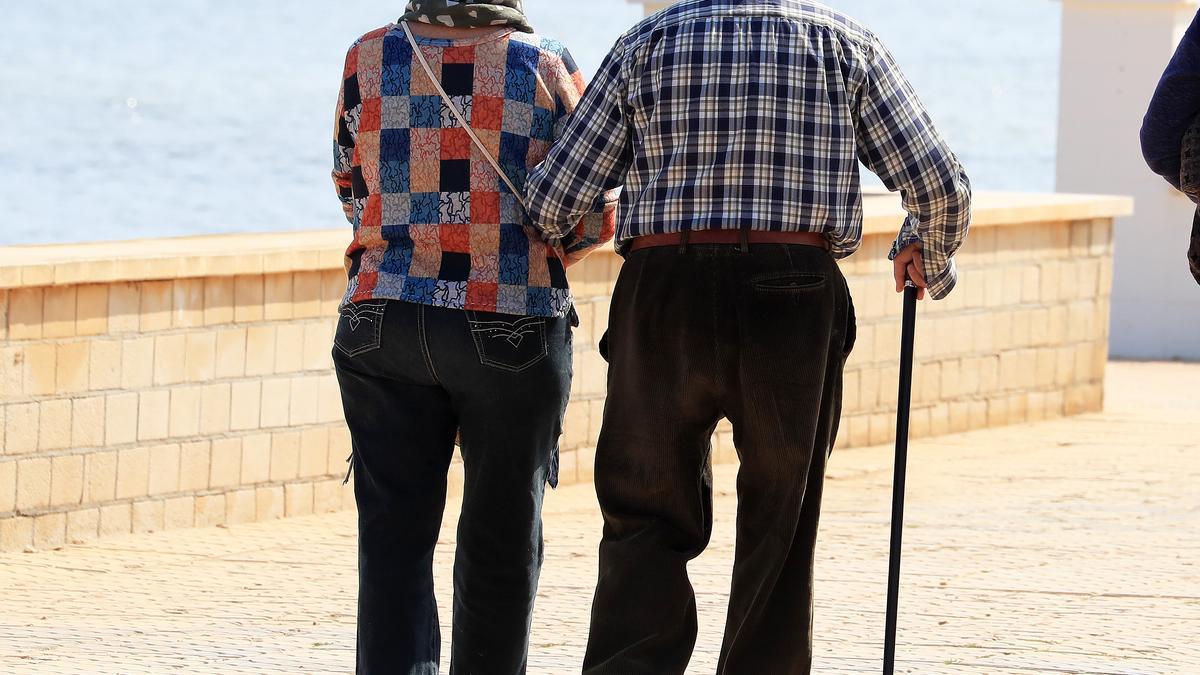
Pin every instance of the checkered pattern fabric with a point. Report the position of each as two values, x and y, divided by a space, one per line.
730 114
433 222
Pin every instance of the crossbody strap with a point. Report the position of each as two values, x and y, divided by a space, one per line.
458 115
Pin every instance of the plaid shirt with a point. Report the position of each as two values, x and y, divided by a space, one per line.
729 114
433 222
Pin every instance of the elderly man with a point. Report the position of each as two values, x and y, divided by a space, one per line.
736 127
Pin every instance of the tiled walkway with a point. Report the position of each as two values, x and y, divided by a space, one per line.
1070 546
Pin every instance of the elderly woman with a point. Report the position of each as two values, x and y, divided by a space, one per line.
457 319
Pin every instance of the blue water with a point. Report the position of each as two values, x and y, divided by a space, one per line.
132 118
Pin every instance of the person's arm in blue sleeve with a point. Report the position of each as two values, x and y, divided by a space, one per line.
1175 105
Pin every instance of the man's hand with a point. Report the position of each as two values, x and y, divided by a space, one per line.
909 265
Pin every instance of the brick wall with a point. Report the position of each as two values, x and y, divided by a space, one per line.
1023 338
139 405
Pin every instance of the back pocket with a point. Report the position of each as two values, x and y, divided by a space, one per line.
360 327
507 342
788 282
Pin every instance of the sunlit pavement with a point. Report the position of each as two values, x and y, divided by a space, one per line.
1070 546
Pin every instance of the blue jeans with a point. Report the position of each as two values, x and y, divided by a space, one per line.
412 376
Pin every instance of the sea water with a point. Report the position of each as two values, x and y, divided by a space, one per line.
130 118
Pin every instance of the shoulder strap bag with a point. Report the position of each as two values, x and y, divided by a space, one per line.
458 115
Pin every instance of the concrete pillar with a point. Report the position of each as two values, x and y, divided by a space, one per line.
1113 53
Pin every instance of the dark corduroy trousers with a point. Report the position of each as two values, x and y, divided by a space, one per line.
756 335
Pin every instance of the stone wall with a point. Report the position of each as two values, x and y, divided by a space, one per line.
187 382
138 406
1023 338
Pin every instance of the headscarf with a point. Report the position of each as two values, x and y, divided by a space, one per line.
468 13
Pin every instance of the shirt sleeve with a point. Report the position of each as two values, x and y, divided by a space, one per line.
1175 105
597 225
349 106
898 142
573 193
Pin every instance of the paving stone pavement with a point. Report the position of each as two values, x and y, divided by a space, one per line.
1068 546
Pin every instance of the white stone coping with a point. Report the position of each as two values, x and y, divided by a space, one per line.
234 254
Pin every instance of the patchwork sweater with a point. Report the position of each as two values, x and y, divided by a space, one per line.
433 222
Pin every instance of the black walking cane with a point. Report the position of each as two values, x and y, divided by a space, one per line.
907 340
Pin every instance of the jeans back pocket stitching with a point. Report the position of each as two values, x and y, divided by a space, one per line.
481 350
517 330
355 314
359 313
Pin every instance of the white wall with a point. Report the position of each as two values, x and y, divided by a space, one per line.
1112 56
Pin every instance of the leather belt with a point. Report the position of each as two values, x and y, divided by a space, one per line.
732 237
